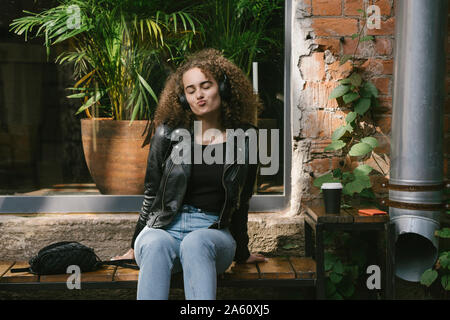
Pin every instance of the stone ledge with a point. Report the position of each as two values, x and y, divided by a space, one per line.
23 235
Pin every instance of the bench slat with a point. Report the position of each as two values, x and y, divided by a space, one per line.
241 271
20 276
104 274
55 277
126 274
4 266
276 268
305 268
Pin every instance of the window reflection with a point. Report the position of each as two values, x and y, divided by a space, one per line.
40 141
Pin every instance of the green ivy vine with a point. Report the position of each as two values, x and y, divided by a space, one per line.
442 267
344 265
354 138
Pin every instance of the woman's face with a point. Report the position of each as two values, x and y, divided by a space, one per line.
202 93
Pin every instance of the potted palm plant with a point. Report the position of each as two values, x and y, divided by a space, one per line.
117 48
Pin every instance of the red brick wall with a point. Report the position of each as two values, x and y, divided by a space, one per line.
332 23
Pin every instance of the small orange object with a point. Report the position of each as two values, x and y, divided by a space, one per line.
371 212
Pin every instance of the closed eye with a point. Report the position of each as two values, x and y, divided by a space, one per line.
204 85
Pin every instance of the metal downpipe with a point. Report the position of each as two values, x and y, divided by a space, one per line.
416 173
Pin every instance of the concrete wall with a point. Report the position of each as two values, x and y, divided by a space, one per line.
22 236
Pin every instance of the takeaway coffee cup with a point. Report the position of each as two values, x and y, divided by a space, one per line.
332 197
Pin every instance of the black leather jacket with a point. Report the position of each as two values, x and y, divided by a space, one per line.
166 183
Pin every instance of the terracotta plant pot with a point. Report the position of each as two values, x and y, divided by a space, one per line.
114 156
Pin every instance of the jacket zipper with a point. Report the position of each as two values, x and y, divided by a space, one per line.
226 193
164 188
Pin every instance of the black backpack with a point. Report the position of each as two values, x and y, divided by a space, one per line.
55 258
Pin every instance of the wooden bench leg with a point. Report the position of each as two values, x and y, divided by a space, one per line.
320 263
309 245
390 262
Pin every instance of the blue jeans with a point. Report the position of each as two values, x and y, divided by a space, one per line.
187 245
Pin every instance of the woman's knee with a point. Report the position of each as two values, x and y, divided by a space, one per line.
197 243
154 241
207 242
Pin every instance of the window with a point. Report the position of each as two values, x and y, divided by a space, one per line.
42 166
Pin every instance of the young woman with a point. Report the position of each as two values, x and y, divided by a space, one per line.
194 214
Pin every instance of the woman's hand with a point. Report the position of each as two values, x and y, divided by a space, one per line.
256 258
128 255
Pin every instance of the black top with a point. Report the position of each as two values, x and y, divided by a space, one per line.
205 189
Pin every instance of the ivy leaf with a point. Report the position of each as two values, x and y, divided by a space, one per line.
330 288
338 268
363 169
350 117
366 38
370 88
360 149
355 35
362 105
345 81
347 190
373 142
350 97
338 133
348 176
352 187
443 233
344 59
337 173
335 277
335 145
445 281
367 193
364 181
349 127
346 206
428 277
357 185
329 261
339 91
444 260
355 79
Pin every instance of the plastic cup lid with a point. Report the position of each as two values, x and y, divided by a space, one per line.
332 185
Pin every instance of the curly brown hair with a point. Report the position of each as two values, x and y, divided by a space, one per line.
243 106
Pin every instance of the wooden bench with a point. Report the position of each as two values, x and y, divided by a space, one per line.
276 272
